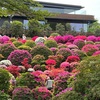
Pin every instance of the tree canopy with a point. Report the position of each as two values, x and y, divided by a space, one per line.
25 8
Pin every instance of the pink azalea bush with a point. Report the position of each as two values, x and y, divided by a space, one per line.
4 39
91 38
89 49
42 93
96 53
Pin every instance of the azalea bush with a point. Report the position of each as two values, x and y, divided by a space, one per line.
24 47
42 93
17 56
89 49
22 93
42 50
4 39
4 80
17 43
6 49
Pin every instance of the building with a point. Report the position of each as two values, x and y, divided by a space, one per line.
72 14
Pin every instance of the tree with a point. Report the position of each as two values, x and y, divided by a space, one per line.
16 28
22 7
94 28
60 28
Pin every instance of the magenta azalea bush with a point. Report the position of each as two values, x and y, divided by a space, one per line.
17 56
91 38
41 93
4 39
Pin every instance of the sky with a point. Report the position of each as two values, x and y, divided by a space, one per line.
92 7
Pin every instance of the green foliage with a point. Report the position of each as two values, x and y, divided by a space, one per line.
22 7
6 49
16 28
87 81
94 28
50 43
5 28
30 43
89 42
3 96
22 93
69 95
60 28
34 27
38 59
4 80
54 34
24 47
12 39
42 50
68 27
47 30
17 43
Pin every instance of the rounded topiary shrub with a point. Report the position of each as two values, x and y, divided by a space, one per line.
79 42
22 93
17 43
24 47
6 49
38 59
30 43
4 80
89 49
17 56
42 50
31 80
65 52
13 39
42 93
54 34
50 43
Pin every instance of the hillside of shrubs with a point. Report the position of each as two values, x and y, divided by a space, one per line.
50 68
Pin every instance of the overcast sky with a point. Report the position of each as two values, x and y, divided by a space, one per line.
92 7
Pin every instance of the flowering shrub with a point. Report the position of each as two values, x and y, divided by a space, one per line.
6 49
13 70
4 39
72 46
17 56
65 52
54 50
83 37
31 80
22 93
96 53
34 38
42 50
38 59
73 59
42 93
68 38
50 43
30 43
79 42
24 47
4 80
60 82
50 63
91 38
40 67
59 39
25 63
17 43
39 40
5 62
98 39
89 49
60 45
65 65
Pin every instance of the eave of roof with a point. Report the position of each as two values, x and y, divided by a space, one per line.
59 5
73 17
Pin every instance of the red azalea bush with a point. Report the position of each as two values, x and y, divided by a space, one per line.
13 70
73 59
25 63
83 37
42 93
50 64
89 49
